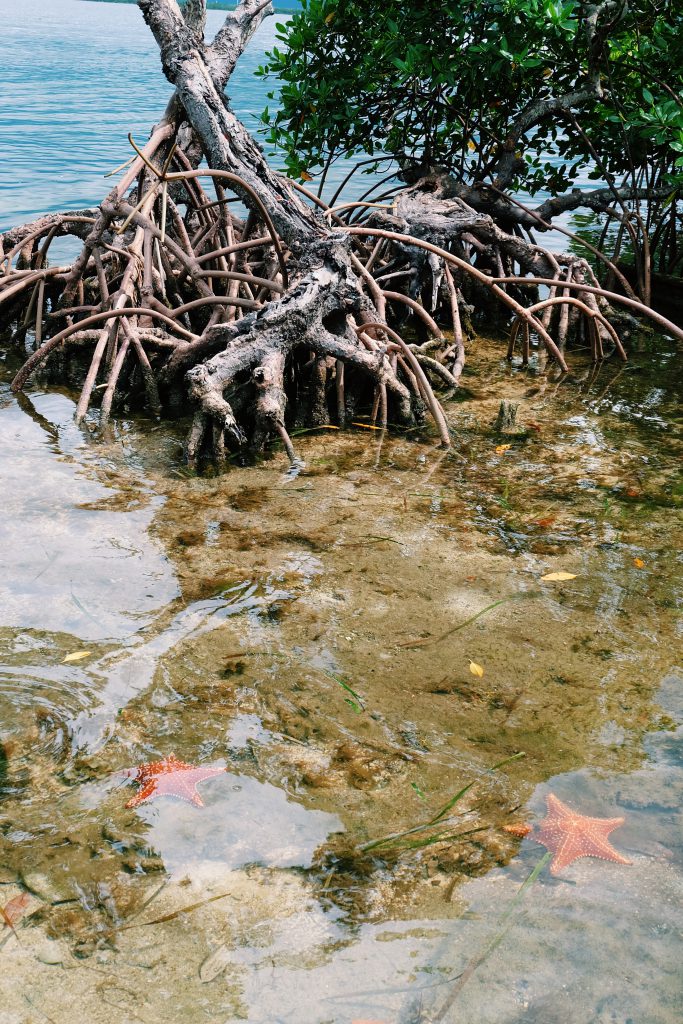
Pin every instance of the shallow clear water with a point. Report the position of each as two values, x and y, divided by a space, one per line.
221 617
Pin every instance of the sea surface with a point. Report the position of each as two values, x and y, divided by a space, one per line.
75 78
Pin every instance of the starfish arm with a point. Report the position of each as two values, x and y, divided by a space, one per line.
568 849
202 774
609 824
186 789
556 809
144 793
605 850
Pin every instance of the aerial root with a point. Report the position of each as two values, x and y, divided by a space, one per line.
108 397
259 353
458 341
596 323
426 388
437 368
268 378
155 293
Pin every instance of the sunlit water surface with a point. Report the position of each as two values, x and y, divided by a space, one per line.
267 623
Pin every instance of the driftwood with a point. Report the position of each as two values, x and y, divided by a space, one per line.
288 315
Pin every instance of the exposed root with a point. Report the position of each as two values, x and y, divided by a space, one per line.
425 387
293 314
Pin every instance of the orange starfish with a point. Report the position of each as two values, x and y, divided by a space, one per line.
570 835
169 777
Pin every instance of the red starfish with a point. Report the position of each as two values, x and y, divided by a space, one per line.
169 777
570 835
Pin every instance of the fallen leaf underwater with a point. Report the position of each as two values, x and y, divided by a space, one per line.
76 656
14 910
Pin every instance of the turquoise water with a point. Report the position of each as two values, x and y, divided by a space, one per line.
75 78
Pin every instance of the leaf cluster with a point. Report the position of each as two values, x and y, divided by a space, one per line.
455 85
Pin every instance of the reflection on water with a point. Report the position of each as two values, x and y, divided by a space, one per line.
129 672
302 632
247 822
59 563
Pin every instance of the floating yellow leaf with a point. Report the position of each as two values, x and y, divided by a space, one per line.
559 576
366 426
305 176
639 563
547 72
76 656
471 145
503 448
476 670
330 18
